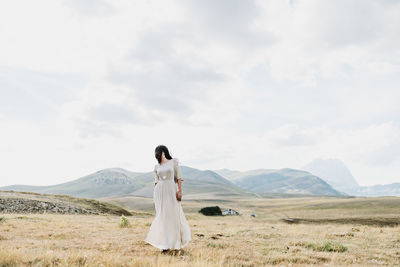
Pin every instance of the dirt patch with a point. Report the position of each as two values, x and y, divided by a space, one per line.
360 221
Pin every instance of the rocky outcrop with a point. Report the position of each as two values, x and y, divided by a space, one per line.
20 205
27 202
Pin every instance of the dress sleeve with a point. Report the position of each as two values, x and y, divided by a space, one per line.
156 178
177 170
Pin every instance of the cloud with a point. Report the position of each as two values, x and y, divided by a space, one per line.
236 84
89 8
338 24
231 21
295 139
177 67
162 74
326 39
89 128
386 155
36 95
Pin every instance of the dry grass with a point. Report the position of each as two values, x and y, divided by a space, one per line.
98 240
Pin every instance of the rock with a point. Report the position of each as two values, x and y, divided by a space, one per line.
230 212
16 205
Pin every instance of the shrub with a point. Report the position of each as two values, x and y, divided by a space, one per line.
213 245
124 222
211 211
328 247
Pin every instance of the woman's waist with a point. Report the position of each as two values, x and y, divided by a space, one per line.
166 180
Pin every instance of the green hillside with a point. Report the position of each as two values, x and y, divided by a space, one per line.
108 182
117 182
194 182
286 180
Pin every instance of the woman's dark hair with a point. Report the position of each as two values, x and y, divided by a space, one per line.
158 152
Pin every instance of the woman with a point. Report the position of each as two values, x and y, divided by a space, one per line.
169 229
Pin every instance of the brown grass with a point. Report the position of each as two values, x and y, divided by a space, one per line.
98 240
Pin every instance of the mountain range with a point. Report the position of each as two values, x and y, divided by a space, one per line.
334 172
286 180
338 175
319 177
118 182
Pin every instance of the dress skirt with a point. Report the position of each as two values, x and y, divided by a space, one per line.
169 229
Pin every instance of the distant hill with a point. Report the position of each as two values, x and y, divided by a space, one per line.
29 202
229 174
378 190
198 182
335 173
285 181
107 182
117 182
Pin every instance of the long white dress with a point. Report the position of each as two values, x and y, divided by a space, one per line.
169 229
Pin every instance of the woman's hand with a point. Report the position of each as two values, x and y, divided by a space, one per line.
179 195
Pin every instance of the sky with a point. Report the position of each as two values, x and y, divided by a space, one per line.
95 84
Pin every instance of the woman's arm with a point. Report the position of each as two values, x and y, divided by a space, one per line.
178 174
156 178
179 192
179 184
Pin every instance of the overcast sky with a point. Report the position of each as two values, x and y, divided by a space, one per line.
94 84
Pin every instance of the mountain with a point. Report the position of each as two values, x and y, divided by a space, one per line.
379 190
339 176
197 182
117 182
335 173
285 181
234 175
229 174
107 182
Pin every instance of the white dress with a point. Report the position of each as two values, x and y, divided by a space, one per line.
169 229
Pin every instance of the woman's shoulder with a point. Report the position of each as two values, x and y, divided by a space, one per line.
176 161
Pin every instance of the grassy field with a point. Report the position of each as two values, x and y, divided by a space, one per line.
326 232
